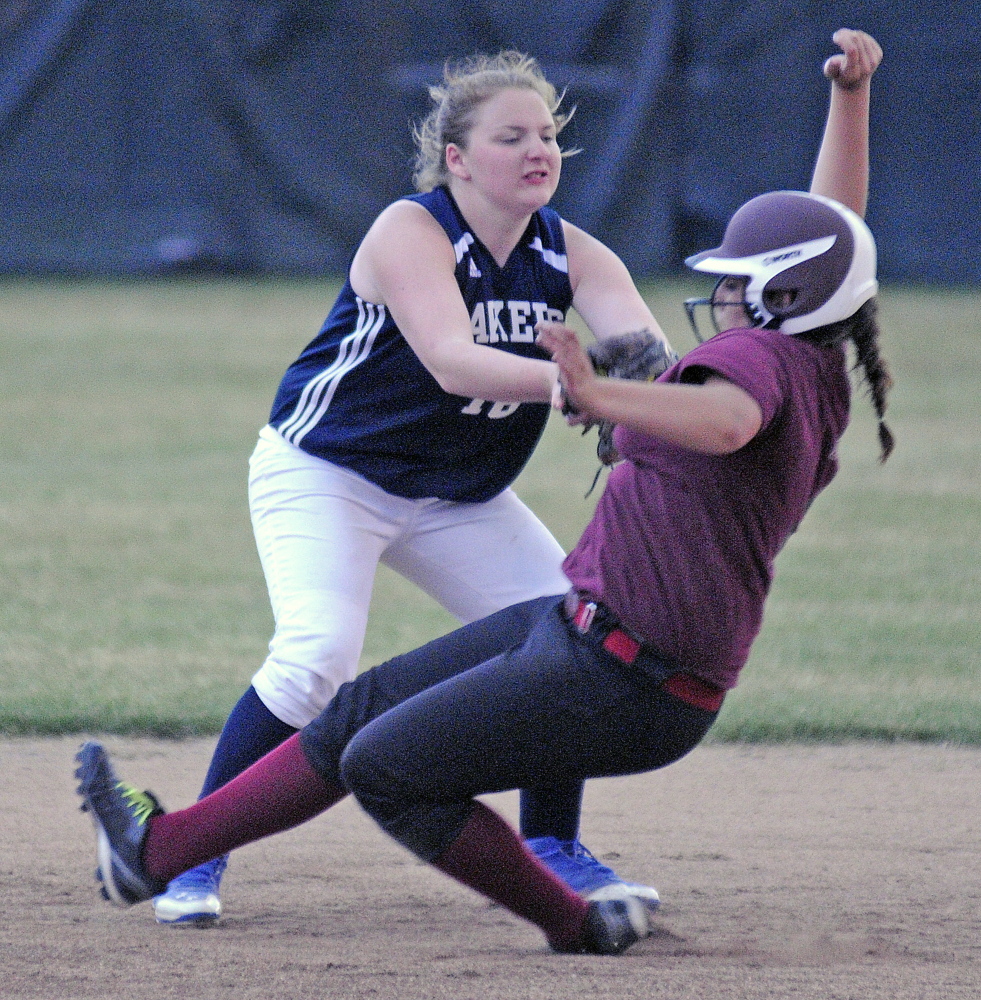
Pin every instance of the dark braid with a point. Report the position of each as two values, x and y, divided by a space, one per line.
862 329
866 340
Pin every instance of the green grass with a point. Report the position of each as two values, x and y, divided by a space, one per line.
874 625
132 599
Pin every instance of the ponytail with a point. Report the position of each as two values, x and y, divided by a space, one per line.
876 375
862 329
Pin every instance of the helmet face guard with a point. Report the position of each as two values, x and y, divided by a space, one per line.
712 303
808 261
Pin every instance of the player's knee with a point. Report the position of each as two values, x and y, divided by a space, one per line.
321 651
298 680
298 654
408 812
318 633
371 778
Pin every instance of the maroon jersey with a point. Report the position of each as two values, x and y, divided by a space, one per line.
682 545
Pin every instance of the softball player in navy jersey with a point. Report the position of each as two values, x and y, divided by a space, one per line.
722 457
396 434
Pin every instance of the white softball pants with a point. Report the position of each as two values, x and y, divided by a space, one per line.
321 531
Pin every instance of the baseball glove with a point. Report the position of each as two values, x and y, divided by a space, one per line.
638 355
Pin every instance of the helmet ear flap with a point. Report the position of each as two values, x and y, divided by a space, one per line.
780 301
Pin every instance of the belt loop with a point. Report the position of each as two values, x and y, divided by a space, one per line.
584 616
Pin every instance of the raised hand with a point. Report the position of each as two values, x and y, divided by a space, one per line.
859 58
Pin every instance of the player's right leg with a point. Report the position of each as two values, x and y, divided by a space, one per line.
476 559
556 706
319 532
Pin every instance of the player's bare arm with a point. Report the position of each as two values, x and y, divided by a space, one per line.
406 264
842 168
714 418
604 294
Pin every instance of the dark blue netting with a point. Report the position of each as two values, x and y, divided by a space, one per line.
264 137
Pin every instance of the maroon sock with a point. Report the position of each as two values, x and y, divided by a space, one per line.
491 857
279 791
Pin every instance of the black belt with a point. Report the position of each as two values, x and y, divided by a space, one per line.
595 620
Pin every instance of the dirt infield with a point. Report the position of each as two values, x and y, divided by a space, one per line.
832 872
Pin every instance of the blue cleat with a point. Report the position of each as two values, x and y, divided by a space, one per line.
580 870
192 898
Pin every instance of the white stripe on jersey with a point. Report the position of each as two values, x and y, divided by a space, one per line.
559 261
319 391
462 245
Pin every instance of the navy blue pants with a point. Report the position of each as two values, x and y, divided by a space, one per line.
516 700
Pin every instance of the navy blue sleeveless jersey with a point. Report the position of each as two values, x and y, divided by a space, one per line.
359 397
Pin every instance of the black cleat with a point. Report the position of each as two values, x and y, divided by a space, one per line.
120 813
611 927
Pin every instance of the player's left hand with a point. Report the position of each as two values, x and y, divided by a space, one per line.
859 58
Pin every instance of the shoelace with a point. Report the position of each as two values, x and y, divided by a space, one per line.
197 879
582 853
141 804
206 876
575 856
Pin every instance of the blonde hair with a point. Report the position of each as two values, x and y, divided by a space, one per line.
466 85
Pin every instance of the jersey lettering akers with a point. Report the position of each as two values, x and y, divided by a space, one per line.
359 397
488 326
